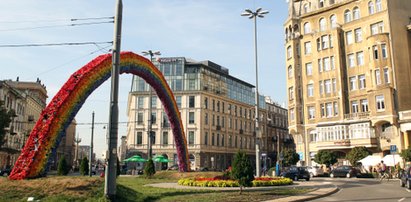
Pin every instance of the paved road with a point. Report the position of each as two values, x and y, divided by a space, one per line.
356 189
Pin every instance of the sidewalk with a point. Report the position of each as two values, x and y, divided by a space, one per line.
321 190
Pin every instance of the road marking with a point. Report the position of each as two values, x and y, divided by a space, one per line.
401 199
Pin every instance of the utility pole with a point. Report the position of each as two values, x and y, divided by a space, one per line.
91 145
111 171
77 140
150 122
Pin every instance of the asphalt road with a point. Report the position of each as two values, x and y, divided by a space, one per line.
356 189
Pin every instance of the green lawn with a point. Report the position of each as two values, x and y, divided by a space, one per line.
128 189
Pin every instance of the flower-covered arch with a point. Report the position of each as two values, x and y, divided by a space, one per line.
55 118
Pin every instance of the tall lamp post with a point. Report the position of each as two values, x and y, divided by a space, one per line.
253 15
150 123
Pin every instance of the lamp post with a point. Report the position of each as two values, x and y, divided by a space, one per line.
149 130
253 15
91 146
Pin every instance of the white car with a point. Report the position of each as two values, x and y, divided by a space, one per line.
315 171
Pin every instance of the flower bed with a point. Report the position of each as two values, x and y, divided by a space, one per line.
223 182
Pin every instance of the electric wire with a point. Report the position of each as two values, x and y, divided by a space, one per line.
54 44
57 20
55 26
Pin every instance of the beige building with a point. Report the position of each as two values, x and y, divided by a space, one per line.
349 75
217 112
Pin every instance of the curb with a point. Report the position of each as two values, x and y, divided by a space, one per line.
309 196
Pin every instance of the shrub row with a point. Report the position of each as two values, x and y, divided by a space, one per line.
232 183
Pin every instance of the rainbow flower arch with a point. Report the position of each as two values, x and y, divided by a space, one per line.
50 128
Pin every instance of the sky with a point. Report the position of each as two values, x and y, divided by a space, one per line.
197 29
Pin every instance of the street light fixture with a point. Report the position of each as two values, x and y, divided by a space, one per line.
150 123
253 15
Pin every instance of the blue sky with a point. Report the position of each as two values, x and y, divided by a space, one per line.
198 29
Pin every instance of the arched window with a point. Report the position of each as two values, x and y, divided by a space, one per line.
333 21
347 16
286 33
320 3
289 52
378 5
356 13
371 8
307 28
290 71
323 24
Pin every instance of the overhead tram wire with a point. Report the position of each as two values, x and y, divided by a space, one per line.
54 44
57 20
55 26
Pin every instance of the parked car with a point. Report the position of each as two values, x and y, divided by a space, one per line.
405 177
344 171
5 171
296 173
315 171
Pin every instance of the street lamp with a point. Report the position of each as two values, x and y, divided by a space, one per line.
149 132
253 15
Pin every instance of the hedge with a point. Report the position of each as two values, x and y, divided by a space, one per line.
233 183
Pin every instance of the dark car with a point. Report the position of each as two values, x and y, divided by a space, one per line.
296 173
344 171
5 171
405 177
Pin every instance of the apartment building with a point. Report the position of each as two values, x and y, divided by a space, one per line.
348 66
217 112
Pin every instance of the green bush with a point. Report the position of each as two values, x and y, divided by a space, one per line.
233 183
242 171
84 166
62 168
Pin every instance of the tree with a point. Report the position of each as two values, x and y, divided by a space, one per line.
325 157
149 169
84 166
62 168
356 154
406 154
5 119
242 170
290 157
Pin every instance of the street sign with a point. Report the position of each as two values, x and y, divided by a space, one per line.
393 148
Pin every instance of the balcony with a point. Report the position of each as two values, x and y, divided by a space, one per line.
357 116
346 143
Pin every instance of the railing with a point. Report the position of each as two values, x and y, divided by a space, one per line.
357 116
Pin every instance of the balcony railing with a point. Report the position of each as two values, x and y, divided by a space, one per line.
357 116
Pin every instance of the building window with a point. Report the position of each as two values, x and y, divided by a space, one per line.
212 139
178 100
191 117
321 87
327 66
354 107
322 107
306 8
310 90
290 71
360 58
364 105
335 109
386 75
206 119
307 28
218 139
140 102
291 93
333 21
377 28
384 50
309 68
230 141
378 5
377 77
371 8
347 16
358 35
329 108
154 102
351 60
320 65
289 52
320 3
205 103
356 13
332 62
325 42
139 138
375 52
349 38
323 24
311 112
191 137
361 81
222 140
292 116
379 99
334 85
213 121
165 138
327 84
191 101
153 117
206 138
307 48
140 118
353 83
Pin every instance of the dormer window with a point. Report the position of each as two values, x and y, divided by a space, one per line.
320 3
